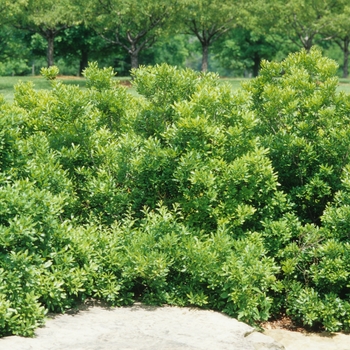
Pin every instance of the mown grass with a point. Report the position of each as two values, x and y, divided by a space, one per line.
234 82
344 85
7 84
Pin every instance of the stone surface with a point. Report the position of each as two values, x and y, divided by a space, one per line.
143 328
310 341
264 342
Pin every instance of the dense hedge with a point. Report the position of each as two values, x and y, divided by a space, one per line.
190 194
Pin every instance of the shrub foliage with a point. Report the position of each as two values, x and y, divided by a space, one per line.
189 194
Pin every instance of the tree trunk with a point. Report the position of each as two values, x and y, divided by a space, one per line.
346 57
307 41
205 55
256 66
134 55
84 60
50 49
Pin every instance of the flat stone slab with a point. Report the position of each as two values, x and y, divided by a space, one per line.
310 341
143 327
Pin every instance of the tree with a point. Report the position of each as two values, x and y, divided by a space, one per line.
344 43
170 49
134 25
244 49
12 46
47 18
305 22
8 9
209 20
80 44
14 51
340 29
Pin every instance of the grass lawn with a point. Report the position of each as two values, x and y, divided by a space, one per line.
7 83
344 85
234 82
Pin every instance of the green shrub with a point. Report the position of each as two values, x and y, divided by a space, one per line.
304 123
203 154
162 86
188 195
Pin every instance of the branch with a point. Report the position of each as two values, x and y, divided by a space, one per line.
204 35
106 5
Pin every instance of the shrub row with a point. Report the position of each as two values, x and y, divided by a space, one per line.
190 194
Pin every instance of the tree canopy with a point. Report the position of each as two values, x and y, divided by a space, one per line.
135 25
47 18
126 33
209 20
306 22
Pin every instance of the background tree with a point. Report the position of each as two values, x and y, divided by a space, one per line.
79 44
209 20
15 51
243 50
130 24
47 18
8 9
305 22
171 49
340 29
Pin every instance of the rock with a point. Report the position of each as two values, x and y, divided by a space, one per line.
263 342
143 327
310 341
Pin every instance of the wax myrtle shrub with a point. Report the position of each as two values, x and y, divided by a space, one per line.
80 127
165 261
34 193
202 153
189 194
94 206
312 285
162 86
48 139
304 123
215 168
336 216
49 264
12 129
